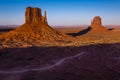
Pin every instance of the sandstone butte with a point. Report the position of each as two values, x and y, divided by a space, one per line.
96 25
34 29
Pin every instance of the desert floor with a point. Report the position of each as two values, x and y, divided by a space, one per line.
88 56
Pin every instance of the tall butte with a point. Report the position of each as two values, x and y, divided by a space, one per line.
34 30
96 25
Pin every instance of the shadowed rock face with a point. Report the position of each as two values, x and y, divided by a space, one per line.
33 15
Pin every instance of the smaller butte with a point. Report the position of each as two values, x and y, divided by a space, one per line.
96 25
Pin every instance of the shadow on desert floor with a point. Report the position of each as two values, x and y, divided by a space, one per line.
81 32
93 62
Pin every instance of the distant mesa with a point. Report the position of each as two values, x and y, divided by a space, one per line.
96 25
34 31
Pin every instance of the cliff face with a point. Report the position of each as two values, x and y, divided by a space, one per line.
33 15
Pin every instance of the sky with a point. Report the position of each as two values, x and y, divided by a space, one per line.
62 12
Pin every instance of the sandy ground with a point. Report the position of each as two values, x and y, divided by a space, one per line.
76 38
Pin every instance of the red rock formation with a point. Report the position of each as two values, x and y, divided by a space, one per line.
44 18
96 25
96 21
33 15
28 15
34 30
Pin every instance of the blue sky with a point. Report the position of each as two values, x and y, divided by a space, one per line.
62 12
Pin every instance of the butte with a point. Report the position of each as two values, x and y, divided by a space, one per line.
94 28
34 31
96 25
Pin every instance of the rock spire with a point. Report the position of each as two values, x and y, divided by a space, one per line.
44 18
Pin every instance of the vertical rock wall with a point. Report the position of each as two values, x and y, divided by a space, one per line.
34 15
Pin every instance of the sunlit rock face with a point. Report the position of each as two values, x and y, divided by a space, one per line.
34 15
96 21
34 31
96 25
